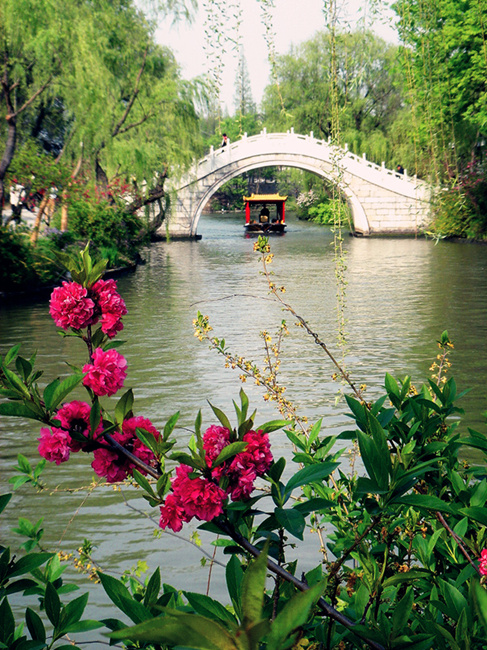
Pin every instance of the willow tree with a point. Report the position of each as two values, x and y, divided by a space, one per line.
123 105
445 62
447 51
368 91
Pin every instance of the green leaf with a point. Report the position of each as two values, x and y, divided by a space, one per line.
315 430
402 611
24 464
180 629
391 385
476 513
300 442
206 606
276 469
427 501
73 611
18 409
143 482
153 588
480 602
309 475
186 459
147 438
228 452
35 625
294 614
124 406
272 425
121 597
82 626
7 627
16 383
415 574
369 456
24 368
64 388
234 577
49 392
11 354
314 505
95 416
221 417
253 588
384 466
170 424
291 520
4 499
52 604
28 563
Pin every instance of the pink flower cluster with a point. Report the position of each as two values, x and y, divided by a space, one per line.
56 444
483 562
116 467
202 497
72 305
106 374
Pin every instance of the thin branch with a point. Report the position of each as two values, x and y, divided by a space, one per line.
328 610
336 565
135 92
172 534
132 457
134 124
458 540
31 99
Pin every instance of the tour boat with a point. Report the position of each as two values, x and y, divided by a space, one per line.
267 222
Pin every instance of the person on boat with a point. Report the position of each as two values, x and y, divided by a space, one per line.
264 214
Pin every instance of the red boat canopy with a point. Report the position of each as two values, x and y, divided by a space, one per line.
266 199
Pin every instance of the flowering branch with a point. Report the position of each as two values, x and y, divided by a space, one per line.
328 610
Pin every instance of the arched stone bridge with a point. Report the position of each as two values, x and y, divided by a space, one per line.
381 200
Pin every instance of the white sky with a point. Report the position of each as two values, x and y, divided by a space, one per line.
294 21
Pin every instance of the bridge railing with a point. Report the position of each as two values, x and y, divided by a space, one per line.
339 152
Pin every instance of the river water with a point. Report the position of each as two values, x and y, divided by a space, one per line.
401 294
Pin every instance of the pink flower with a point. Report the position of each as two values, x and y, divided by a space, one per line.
54 445
200 498
172 514
111 324
106 375
108 463
259 451
182 472
243 484
215 439
111 305
75 418
70 306
483 562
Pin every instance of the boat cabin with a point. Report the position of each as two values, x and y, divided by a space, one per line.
267 220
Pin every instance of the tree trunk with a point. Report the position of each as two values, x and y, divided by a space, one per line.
8 154
64 213
35 230
101 177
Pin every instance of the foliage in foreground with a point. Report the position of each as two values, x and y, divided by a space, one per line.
401 540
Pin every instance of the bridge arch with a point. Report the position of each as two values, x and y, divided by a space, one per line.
381 201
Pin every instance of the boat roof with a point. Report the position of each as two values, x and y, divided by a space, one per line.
265 198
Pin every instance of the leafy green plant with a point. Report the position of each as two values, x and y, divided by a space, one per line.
37 574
